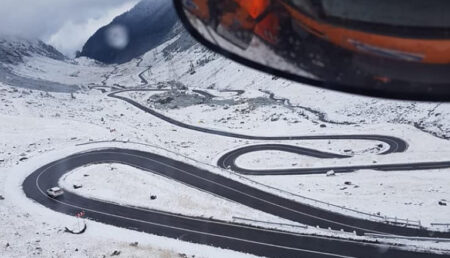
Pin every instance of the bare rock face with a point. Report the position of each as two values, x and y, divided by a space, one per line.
132 34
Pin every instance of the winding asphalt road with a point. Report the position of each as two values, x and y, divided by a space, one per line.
234 236
228 160
395 144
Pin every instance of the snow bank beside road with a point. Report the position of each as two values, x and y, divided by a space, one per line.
130 186
411 194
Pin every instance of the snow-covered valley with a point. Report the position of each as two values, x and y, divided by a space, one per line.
204 90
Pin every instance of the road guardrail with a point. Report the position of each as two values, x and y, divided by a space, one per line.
407 238
271 223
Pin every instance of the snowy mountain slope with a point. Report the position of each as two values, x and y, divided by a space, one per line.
14 49
198 68
179 58
305 110
15 52
39 126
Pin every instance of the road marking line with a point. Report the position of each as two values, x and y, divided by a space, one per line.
182 229
110 152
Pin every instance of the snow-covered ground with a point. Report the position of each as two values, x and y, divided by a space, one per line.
407 197
130 186
387 193
38 216
36 123
79 72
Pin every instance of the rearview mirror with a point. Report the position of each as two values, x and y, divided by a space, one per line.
386 48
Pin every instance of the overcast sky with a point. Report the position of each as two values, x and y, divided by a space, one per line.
66 24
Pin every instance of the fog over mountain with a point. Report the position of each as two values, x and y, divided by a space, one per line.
65 24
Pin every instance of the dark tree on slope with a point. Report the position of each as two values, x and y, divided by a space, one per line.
149 24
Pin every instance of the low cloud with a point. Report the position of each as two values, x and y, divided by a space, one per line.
66 24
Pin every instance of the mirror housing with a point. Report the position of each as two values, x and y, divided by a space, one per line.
397 49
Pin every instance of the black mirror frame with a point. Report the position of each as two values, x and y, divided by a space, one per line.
369 92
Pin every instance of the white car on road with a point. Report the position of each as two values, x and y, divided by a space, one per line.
55 192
